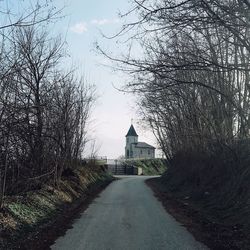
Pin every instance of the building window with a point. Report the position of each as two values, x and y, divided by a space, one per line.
141 151
149 152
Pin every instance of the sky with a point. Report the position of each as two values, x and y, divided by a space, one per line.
82 24
114 110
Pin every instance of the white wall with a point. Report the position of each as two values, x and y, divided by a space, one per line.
143 152
129 140
137 152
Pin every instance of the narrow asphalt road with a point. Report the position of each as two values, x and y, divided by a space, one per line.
127 216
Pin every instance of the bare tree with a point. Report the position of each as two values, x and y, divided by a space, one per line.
27 14
193 77
44 110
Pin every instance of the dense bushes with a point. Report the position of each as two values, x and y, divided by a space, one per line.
218 182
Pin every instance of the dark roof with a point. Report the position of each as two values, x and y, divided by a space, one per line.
131 131
142 145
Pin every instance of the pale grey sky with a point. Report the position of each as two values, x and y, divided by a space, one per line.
112 115
81 27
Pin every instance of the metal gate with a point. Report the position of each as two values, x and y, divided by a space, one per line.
121 169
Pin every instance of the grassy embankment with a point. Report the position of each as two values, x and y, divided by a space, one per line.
29 212
214 190
149 166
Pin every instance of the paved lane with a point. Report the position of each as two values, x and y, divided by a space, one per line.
127 216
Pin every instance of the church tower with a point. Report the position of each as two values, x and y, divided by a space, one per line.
131 137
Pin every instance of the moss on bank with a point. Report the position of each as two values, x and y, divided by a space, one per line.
149 166
29 211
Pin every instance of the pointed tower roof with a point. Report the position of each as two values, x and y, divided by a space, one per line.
131 131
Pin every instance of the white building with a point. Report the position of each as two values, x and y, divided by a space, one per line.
135 149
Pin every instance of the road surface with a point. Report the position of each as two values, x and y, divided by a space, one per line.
127 216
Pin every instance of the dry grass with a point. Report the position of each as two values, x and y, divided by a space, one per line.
24 213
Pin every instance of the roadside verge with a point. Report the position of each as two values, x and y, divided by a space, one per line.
213 234
35 219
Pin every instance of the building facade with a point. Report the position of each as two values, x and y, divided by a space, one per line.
135 149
